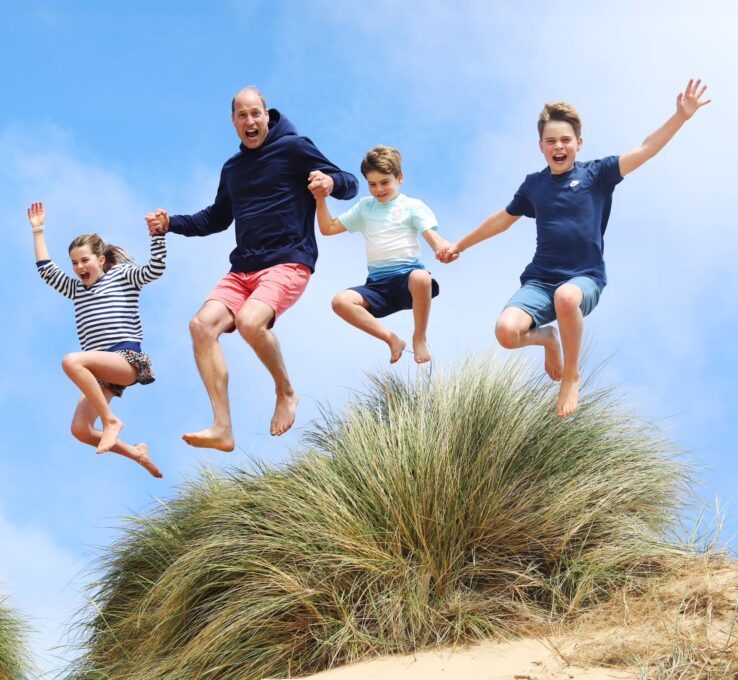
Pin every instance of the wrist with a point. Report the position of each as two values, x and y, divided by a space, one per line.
37 230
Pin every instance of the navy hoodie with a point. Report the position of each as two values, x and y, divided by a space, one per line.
265 191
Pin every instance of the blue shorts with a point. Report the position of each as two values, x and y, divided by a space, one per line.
537 298
390 295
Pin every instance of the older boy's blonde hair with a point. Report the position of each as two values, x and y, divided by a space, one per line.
382 159
561 111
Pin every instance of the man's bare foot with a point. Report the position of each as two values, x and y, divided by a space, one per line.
553 363
568 397
146 462
284 413
111 432
420 349
397 347
212 438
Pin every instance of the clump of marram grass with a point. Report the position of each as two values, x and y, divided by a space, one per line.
15 658
443 510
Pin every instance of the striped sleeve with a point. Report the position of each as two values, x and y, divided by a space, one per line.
140 276
57 279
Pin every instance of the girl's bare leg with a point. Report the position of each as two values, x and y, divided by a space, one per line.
419 284
83 428
351 307
85 369
513 331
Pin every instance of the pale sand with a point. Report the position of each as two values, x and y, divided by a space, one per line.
526 659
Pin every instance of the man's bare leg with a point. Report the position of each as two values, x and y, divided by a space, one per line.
352 307
83 428
420 283
513 331
567 301
206 327
253 323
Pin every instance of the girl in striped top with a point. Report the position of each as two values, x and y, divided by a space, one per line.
105 295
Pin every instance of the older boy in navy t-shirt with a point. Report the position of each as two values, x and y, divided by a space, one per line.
570 202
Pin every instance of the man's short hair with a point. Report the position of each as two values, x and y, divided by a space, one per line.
560 111
382 159
253 88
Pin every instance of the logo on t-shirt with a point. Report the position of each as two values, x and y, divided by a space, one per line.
575 182
396 214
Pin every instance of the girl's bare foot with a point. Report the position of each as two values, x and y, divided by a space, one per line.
553 363
568 397
212 438
397 347
420 348
284 414
143 459
110 433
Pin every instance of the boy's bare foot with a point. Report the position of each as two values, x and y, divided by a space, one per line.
397 347
568 397
284 413
553 363
212 438
420 349
111 432
146 462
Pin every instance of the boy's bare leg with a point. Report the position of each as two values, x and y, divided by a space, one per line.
567 301
83 428
85 369
206 327
252 323
513 331
352 307
419 283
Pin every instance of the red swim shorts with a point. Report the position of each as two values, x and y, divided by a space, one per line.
279 287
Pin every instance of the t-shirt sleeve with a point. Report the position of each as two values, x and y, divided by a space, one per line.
423 217
520 204
608 171
353 218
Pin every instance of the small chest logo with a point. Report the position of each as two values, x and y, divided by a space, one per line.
575 183
397 214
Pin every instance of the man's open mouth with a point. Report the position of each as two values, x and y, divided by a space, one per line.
252 134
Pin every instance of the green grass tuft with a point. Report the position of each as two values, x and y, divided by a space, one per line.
15 659
443 510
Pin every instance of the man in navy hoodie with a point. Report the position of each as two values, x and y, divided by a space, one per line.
269 188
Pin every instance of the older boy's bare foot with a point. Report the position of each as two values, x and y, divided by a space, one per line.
553 364
568 397
420 349
110 433
212 438
143 459
397 347
284 413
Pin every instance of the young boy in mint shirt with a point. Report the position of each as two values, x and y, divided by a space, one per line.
570 201
390 223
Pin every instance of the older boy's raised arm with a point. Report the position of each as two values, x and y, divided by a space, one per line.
493 225
688 102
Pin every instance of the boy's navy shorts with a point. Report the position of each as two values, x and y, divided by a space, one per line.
390 295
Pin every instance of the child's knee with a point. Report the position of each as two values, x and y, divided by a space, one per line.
342 301
419 280
70 362
507 334
82 431
567 298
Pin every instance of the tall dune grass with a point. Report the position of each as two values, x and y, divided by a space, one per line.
15 659
443 510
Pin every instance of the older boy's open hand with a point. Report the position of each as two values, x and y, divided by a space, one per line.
689 101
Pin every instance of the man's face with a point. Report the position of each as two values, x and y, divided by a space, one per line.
250 119
559 145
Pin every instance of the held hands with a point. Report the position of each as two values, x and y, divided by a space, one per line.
448 253
320 185
689 101
36 217
158 222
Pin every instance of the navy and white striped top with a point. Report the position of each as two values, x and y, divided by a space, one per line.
107 312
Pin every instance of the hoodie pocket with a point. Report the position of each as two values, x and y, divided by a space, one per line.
268 233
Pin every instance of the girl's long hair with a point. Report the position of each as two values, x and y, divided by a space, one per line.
114 255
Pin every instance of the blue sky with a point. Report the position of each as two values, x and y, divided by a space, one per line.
112 110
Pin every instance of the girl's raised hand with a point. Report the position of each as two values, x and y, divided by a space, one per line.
36 215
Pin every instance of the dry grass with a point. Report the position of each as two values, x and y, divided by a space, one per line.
15 660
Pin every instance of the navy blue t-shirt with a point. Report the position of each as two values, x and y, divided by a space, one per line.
571 212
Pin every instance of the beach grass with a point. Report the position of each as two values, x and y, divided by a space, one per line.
15 658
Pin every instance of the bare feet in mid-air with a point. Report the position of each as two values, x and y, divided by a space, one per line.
420 349
568 397
397 347
284 413
145 461
553 363
212 438
111 432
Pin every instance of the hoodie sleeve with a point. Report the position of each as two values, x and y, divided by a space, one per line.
216 217
346 185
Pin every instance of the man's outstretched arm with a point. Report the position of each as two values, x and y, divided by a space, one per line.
688 102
